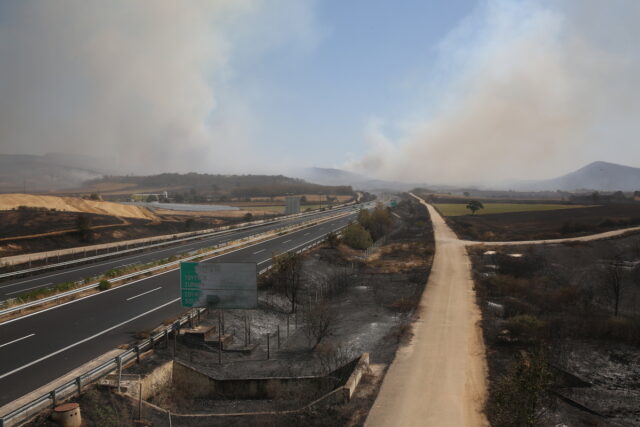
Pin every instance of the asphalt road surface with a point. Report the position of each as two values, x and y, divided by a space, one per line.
38 348
12 288
439 379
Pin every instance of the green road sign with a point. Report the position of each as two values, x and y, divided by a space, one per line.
218 285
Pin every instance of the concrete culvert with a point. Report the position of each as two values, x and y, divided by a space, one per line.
67 415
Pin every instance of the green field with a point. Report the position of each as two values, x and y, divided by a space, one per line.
458 209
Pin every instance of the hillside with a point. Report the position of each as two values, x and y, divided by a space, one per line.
214 185
74 204
331 176
601 176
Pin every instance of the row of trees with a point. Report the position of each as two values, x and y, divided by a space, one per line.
370 226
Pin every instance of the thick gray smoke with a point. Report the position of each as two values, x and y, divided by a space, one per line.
139 82
532 89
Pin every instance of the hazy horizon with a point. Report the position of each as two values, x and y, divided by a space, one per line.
467 92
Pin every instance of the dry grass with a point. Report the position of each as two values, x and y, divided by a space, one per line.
74 204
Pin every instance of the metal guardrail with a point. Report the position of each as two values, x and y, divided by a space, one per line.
69 389
48 400
196 235
218 248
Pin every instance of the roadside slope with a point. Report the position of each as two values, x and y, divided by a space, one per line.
440 378
74 204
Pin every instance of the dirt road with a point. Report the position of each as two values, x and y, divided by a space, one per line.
598 236
440 378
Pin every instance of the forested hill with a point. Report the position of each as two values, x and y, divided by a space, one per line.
233 185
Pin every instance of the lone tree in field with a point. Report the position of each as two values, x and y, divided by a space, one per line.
287 276
474 206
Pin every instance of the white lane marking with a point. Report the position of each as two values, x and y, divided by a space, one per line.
261 250
140 280
19 339
28 289
286 241
144 293
86 339
306 234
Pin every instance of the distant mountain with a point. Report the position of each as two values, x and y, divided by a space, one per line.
52 171
330 176
600 176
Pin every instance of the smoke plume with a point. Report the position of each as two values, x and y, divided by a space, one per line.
529 91
147 84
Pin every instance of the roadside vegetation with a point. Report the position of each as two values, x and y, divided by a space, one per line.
370 227
562 329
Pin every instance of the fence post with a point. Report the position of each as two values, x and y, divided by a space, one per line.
119 360
278 337
79 384
137 354
267 345
219 339
53 398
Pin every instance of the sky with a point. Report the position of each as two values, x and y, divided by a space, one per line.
457 91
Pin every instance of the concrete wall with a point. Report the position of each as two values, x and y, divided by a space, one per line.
347 378
198 385
160 378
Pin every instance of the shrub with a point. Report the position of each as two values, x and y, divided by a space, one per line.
520 397
357 237
104 285
527 327
65 286
332 239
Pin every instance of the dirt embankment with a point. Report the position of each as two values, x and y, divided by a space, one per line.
74 204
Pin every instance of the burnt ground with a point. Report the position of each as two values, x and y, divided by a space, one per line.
98 229
536 225
370 298
556 300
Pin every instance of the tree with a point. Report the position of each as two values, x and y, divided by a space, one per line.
357 237
333 239
612 276
84 226
287 276
474 206
248 217
380 221
466 194
320 324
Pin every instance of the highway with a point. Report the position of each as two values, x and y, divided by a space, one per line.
13 288
38 348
